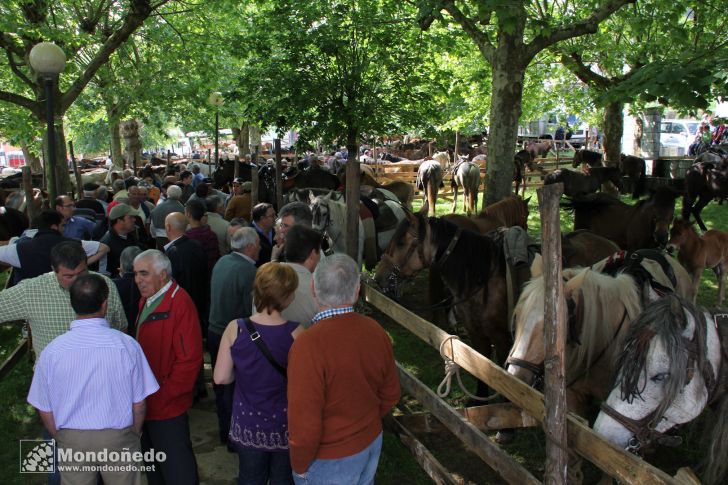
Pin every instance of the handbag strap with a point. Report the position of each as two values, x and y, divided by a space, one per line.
256 338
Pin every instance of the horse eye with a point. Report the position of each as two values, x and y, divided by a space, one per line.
660 377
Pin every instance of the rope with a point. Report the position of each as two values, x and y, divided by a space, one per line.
451 368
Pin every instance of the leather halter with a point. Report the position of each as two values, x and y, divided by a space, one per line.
643 429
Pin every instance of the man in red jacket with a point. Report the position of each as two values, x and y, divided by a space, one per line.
168 331
342 380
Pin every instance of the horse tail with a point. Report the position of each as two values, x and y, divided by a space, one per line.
716 465
641 182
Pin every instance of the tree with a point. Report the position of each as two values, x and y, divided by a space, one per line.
89 32
509 35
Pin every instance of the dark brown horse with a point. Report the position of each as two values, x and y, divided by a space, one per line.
12 223
521 160
588 158
578 183
313 177
634 168
704 181
643 225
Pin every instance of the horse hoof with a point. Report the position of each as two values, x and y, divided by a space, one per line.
505 436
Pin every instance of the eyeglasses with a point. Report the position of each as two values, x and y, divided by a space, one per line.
68 205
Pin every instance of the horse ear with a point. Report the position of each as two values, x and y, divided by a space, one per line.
537 265
311 197
528 200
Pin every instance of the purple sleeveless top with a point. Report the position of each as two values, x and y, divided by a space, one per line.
260 404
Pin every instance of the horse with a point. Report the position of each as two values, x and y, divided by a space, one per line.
429 180
539 149
587 157
671 368
634 168
578 183
312 177
12 223
521 160
466 175
699 252
472 267
643 225
403 191
329 217
704 181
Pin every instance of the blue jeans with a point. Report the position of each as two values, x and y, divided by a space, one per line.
258 467
358 469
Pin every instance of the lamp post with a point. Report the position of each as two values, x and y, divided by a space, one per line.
48 60
215 99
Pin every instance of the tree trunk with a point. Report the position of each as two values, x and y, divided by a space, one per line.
63 179
505 112
639 129
132 143
117 158
352 196
31 159
613 128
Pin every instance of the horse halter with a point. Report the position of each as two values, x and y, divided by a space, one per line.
396 276
644 429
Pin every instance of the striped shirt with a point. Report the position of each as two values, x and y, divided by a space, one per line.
90 376
47 307
330 313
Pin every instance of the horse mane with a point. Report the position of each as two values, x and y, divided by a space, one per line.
663 320
510 211
474 259
602 294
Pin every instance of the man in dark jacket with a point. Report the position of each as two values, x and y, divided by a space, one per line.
121 235
264 218
128 291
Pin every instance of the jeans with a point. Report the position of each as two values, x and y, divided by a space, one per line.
358 469
258 467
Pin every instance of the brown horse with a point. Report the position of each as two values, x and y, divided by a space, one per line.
578 183
643 225
587 158
634 168
429 180
521 160
539 149
699 252
402 190
466 175
704 181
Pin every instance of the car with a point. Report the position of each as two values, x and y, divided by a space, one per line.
676 136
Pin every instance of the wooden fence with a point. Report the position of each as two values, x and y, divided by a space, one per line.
625 467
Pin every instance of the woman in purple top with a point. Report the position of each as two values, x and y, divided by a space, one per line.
259 425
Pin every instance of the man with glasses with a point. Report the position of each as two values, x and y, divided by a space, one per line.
264 218
75 227
292 214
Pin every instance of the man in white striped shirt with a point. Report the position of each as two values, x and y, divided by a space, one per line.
90 386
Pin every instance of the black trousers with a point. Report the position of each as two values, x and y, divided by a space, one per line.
172 437
223 393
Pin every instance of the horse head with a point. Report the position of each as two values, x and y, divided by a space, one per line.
680 232
405 254
665 375
661 207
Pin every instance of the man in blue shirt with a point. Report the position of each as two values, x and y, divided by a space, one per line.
75 227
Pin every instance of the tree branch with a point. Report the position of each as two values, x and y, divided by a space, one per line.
17 71
478 36
20 101
576 29
140 11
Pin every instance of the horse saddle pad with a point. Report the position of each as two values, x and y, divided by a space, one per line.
384 219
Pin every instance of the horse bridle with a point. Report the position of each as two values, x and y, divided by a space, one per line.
644 430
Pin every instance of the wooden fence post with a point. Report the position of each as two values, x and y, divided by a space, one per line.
169 159
279 174
554 337
352 202
76 173
254 181
28 189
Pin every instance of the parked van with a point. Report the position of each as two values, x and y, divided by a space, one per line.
676 136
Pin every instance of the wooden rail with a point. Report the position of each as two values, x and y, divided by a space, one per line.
614 461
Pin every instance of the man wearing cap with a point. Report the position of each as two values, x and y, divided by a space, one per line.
166 207
240 203
120 235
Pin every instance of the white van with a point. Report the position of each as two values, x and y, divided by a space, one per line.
676 136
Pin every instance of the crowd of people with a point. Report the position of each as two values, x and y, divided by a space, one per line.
125 288
711 132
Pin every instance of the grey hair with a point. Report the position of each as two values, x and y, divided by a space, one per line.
301 213
102 192
118 185
213 203
160 261
245 236
126 260
174 192
336 281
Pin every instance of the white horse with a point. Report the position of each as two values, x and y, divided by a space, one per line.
329 217
671 368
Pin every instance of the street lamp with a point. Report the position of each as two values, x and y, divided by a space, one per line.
215 99
48 60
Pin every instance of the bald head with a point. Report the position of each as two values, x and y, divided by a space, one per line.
175 224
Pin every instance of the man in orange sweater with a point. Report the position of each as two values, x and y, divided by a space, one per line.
341 381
